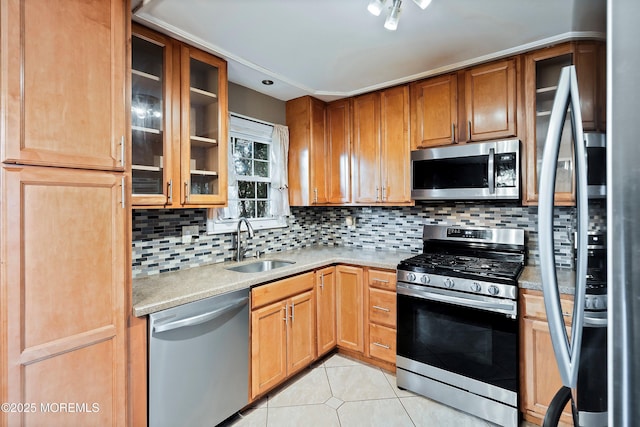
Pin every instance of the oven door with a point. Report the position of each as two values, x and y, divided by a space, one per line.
472 348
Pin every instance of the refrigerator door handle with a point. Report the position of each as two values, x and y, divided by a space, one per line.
567 355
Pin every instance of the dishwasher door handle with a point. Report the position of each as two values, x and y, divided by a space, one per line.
200 318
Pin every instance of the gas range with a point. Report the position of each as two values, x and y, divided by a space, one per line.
481 261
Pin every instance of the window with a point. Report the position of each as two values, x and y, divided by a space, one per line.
249 176
251 161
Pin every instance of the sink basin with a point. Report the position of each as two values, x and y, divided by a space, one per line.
259 266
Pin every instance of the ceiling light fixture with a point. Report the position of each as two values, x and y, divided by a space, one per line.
391 23
267 82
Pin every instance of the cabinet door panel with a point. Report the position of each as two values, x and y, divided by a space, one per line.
434 112
64 89
394 145
301 341
326 309
268 347
152 166
338 140
366 142
490 94
382 307
542 379
64 248
203 128
350 307
382 343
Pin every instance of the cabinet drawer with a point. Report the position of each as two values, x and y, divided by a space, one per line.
382 279
276 291
382 307
382 343
533 306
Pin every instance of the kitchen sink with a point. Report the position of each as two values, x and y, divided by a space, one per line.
259 266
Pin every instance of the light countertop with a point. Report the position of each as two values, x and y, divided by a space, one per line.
166 290
531 279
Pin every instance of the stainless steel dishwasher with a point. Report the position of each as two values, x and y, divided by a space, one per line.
199 361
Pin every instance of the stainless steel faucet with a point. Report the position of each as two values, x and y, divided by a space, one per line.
238 243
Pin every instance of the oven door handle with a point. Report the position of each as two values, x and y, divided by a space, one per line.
508 307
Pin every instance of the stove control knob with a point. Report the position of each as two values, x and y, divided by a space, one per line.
425 279
448 283
588 303
597 304
493 290
411 277
475 287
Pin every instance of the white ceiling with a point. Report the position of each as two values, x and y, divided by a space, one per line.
335 48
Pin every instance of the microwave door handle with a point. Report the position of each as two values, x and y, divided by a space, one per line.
567 356
491 173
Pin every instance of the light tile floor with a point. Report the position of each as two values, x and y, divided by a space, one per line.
339 391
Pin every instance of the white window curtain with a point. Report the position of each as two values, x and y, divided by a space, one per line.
279 195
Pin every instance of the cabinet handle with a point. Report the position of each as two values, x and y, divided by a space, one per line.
384 193
315 195
122 150
321 281
170 190
380 281
123 192
186 191
469 136
377 307
286 318
453 133
382 345
292 312
377 192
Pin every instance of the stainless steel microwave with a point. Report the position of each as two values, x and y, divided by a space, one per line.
595 144
474 171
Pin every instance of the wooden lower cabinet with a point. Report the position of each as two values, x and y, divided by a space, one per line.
381 314
350 307
540 378
283 331
63 329
326 309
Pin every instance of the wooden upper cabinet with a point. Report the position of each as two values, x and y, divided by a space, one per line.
338 134
381 147
151 125
366 148
490 99
394 145
204 137
307 151
179 123
541 74
434 111
63 92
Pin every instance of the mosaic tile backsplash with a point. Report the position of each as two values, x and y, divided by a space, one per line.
158 248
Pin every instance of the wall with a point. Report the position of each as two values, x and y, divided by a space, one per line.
254 104
157 243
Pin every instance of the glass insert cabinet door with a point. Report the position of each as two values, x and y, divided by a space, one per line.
203 127
151 158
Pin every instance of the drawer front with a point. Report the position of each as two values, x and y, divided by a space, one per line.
282 289
382 279
382 307
382 343
533 305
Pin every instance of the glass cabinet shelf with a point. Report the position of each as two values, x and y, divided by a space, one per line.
146 168
202 97
201 141
203 172
147 130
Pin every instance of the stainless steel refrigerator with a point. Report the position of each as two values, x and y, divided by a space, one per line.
623 210
623 231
